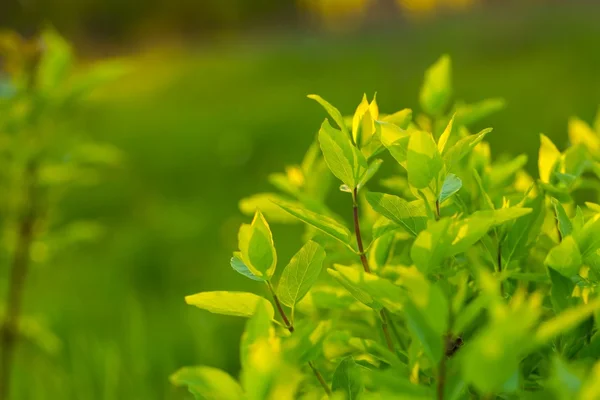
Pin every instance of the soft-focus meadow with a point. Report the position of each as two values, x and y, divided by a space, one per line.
202 124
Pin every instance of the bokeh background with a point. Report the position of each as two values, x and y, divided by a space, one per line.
215 100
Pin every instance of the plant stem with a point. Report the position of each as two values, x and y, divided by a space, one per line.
320 378
365 263
16 285
500 267
286 321
386 331
437 209
361 250
290 327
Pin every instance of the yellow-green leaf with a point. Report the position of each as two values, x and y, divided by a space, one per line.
237 304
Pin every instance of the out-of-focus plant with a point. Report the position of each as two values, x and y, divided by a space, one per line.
41 158
467 279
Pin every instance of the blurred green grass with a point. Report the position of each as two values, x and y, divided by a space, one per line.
202 128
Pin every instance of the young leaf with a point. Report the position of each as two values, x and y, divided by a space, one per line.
333 112
237 304
461 148
411 215
300 274
432 245
437 87
423 160
451 185
565 257
238 265
371 171
343 159
564 223
321 222
347 379
581 132
445 136
547 159
363 122
561 292
207 383
256 246
467 114
400 118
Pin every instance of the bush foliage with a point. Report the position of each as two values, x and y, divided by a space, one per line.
461 277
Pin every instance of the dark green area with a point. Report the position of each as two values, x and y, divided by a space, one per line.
203 128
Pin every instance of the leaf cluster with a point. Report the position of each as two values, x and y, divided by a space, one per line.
461 276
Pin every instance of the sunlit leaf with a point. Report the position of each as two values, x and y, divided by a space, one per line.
437 87
300 274
238 304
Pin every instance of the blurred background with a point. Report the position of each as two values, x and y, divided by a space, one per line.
214 102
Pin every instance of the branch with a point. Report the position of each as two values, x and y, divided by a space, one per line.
367 268
290 327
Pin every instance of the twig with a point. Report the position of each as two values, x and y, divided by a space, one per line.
365 263
290 327
16 285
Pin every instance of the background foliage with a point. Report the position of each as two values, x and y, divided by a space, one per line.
202 126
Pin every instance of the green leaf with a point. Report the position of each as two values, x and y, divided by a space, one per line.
363 122
581 133
238 265
343 159
437 87
300 274
469 231
564 223
548 157
400 118
257 329
566 321
523 232
369 173
445 136
207 383
333 112
411 215
432 245
347 379
260 354
588 239
423 162
266 203
237 304
399 149
561 292
565 257
257 248
369 289
467 114
426 312
463 147
451 185
321 222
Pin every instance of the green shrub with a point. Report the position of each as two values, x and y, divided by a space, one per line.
466 278
41 159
